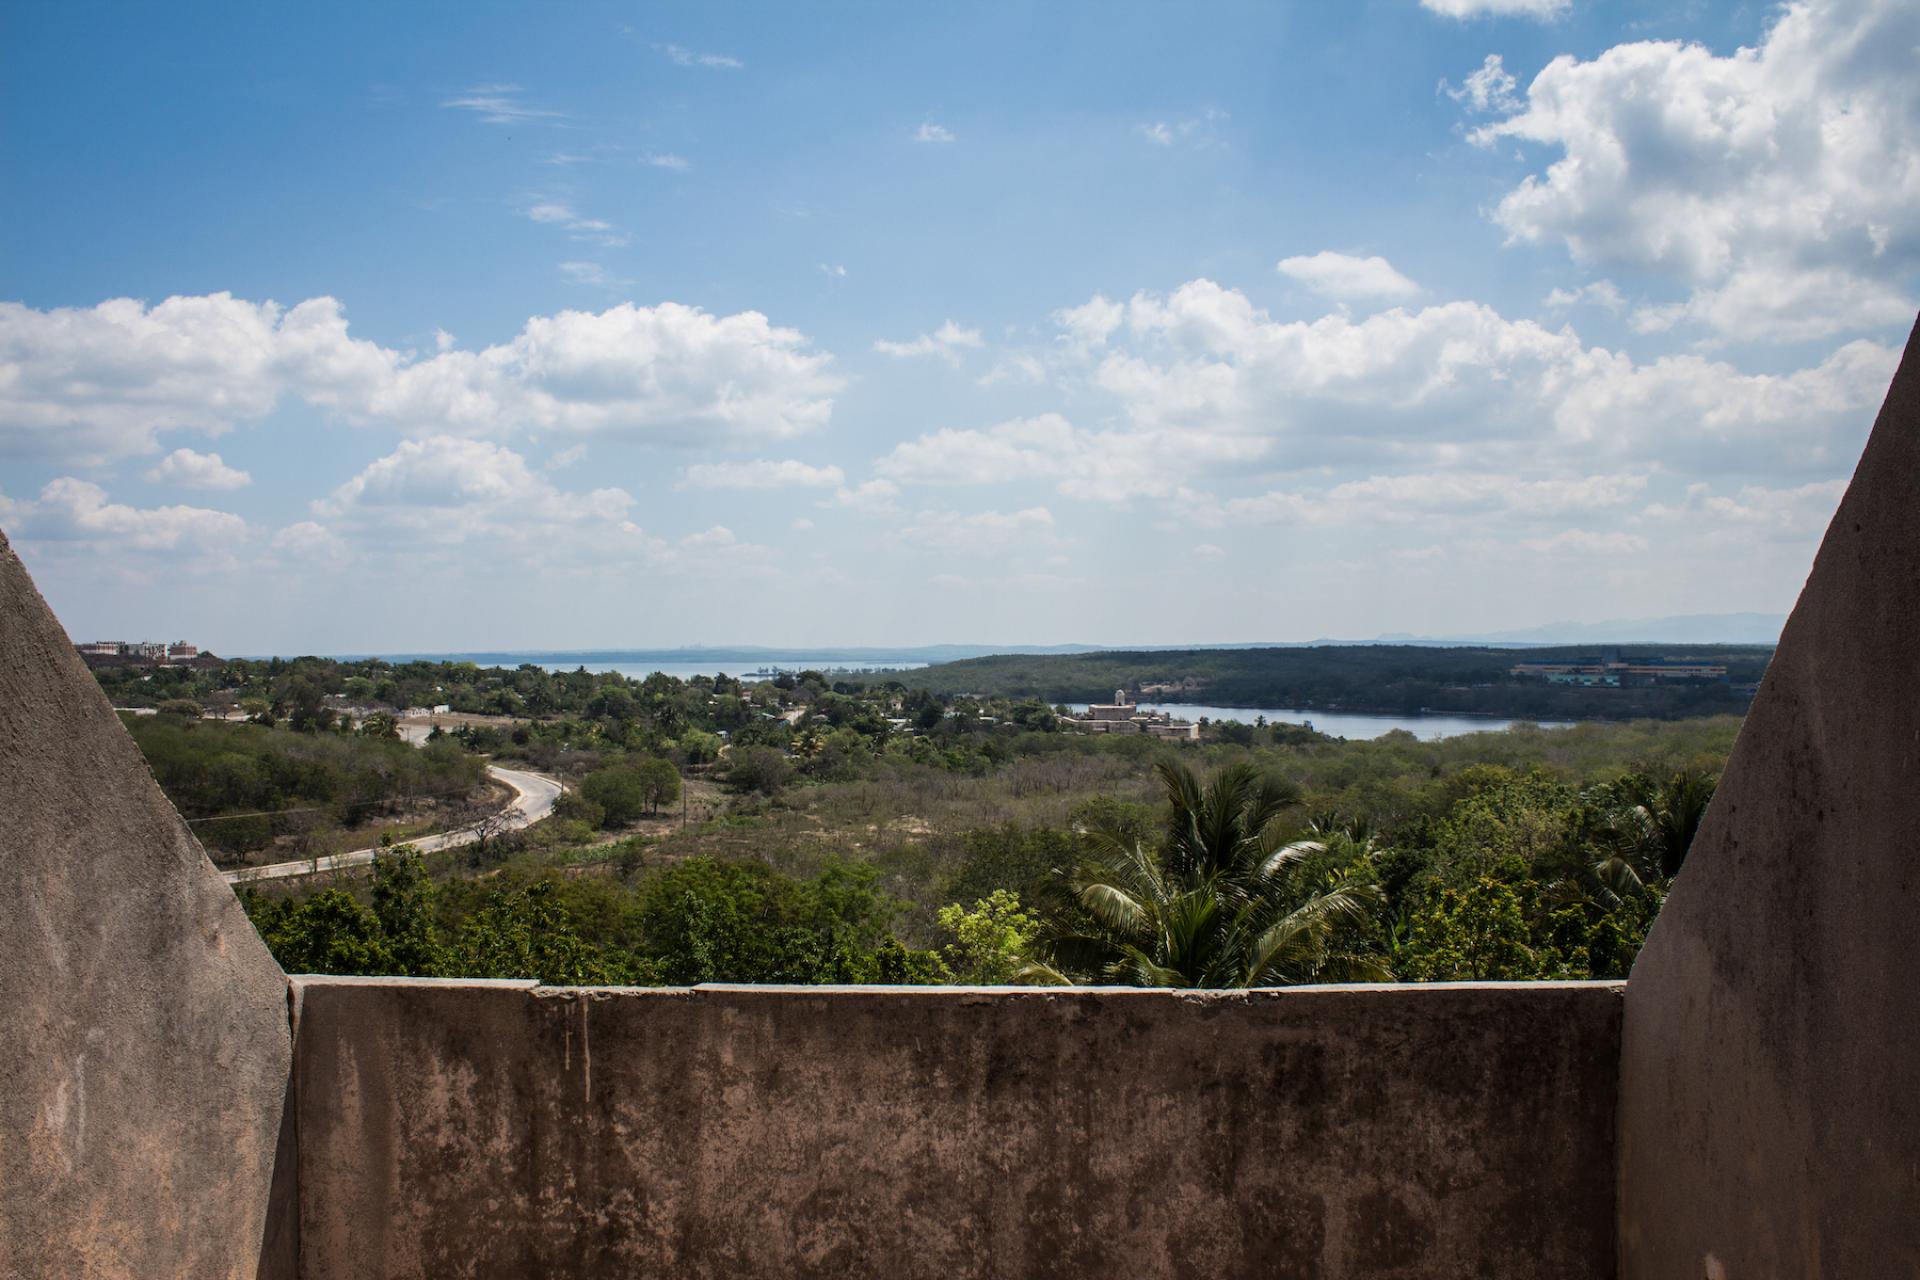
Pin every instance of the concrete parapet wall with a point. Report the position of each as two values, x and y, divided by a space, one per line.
491 1129
143 1026
1771 1053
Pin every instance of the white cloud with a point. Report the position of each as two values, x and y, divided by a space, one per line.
931 132
1112 466
1425 497
761 474
947 342
1432 384
1802 509
501 104
1090 324
558 213
1599 293
1207 551
801 524
871 497
91 384
1464 9
666 160
1785 304
1343 276
192 470
311 545
588 273
683 57
833 270
1488 89
78 514
450 500
452 497
1450 410
1584 542
1779 185
1200 131
983 533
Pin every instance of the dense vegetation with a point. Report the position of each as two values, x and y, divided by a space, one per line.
996 852
242 786
1387 679
808 830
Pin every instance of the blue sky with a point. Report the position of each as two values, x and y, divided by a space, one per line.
365 327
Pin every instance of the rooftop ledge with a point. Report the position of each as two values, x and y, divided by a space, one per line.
1208 995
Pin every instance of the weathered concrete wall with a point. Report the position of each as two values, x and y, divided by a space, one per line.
1770 1108
143 1026
495 1129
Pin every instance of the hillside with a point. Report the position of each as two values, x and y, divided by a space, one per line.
1386 679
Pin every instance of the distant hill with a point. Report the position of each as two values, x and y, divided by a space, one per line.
1694 628
1385 679
1707 629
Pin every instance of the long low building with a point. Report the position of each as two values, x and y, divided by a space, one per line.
1122 715
1613 670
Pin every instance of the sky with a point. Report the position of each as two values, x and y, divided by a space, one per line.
377 328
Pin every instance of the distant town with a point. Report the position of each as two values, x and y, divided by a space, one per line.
151 653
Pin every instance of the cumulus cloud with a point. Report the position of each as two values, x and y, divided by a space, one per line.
447 494
78 514
1090 324
1463 9
192 470
1779 185
931 132
1430 383
947 342
311 542
90 384
762 474
1343 276
1443 411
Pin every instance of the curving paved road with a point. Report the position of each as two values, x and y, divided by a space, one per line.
533 800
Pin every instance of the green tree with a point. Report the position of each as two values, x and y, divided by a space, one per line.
381 724
403 903
328 932
659 783
619 791
757 769
991 942
1214 905
523 933
1477 933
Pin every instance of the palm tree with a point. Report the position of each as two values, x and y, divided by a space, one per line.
1216 905
1648 829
